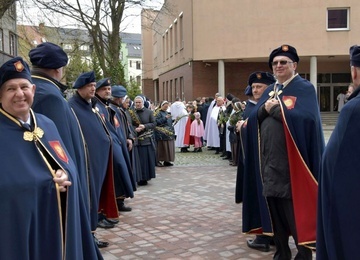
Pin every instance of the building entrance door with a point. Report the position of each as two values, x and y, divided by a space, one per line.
328 96
324 98
339 96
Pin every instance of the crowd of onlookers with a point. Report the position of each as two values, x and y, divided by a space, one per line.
204 122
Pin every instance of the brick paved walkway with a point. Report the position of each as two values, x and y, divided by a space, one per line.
187 212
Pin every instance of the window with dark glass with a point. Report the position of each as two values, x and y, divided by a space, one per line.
338 19
138 80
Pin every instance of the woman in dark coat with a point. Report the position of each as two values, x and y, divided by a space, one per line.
164 136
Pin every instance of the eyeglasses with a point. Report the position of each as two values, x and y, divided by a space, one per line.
282 62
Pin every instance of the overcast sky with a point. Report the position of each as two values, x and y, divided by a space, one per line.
132 24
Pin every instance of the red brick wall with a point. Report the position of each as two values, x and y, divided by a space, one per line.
201 79
148 88
237 74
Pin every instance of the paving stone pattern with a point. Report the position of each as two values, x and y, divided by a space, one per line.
187 212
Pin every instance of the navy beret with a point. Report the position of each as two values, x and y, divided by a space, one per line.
103 83
355 55
284 50
48 55
84 79
118 91
248 91
261 77
13 69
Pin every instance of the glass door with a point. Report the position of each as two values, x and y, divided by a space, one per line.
323 93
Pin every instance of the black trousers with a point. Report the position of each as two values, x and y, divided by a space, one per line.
283 219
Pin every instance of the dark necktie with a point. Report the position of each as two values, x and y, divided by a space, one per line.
279 87
27 126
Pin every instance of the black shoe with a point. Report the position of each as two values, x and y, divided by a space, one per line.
223 155
227 158
210 148
159 164
100 244
184 150
104 224
217 152
142 183
124 208
200 150
112 220
196 150
168 164
261 247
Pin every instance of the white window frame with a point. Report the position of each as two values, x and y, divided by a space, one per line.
338 9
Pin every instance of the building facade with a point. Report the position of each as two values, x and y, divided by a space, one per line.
8 35
131 57
197 48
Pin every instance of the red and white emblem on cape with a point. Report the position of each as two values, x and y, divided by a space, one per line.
116 122
56 146
289 101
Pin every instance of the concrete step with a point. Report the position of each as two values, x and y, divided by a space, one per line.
329 118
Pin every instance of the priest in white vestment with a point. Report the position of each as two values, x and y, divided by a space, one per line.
180 117
212 104
213 138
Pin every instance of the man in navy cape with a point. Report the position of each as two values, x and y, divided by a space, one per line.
256 217
42 216
288 121
99 145
338 207
119 96
48 61
124 181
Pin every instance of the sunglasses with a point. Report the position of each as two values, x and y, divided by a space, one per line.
282 62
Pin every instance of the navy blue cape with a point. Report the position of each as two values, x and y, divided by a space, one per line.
305 145
49 101
338 206
38 222
99 146
124 184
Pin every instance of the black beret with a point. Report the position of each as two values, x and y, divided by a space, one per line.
248 91
355 56
48 55
118 91
13 69
84 79
284 50
229 96
261 77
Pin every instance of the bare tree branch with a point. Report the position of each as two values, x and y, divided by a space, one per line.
102 19
4 5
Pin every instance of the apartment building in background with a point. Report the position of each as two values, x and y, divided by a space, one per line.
78 41
131 57
197 48
8 35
